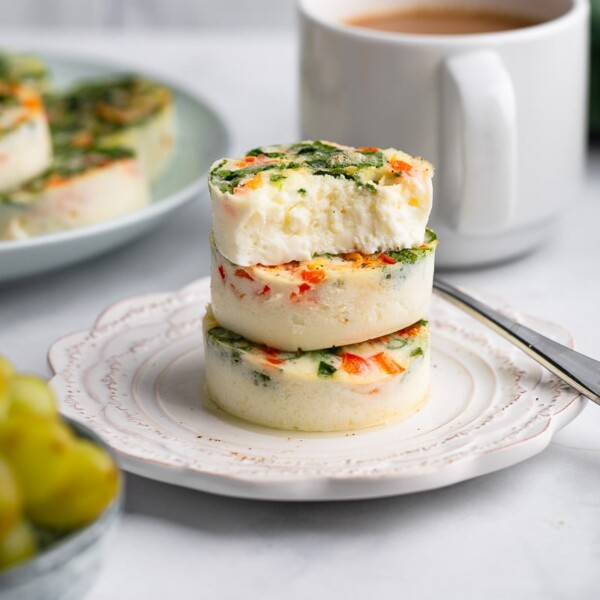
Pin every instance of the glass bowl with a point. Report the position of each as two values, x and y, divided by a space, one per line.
66 569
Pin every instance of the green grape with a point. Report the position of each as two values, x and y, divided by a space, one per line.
93 483
31 395
10 498
6 367
39 450
4 396
17 544
6 373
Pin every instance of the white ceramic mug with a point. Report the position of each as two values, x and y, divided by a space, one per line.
501 115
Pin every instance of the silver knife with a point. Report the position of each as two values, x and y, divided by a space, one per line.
579 371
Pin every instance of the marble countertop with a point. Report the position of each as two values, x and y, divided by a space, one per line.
528 532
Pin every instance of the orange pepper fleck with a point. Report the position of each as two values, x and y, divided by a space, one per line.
367 149
243 274
386 364
245 161
353 256
82 139
264 291
400 165
353 364
252 184
302 289
411 330
272 357
273 361
387 259
55 180
32 103
313 276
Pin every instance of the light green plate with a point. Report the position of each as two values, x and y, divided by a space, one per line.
202 138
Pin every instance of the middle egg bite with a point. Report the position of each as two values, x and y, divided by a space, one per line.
330 300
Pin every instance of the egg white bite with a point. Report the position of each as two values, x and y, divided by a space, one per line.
291 201
25 147
81 188
329 300
128 111
337 389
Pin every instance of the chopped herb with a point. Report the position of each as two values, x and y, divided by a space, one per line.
277 177
395 343
313 147
301 191
407 255
261 152
412 255
225 335
233 340
417 352
227 180
260 378
102 107
218 165
325 369
320 157
430 236
8 99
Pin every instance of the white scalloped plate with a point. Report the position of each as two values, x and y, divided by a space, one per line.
136 378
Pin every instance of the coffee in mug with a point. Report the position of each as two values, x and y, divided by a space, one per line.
501 115
442 20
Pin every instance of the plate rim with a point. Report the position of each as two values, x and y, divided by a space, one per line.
324 487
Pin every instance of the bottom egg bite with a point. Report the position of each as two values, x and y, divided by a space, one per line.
339 389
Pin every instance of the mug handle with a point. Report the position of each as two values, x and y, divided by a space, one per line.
479 142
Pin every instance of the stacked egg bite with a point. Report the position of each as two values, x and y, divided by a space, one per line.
322 269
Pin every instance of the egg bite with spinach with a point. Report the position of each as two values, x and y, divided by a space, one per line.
329 300
25 147
127 111
335 389
81 187
288 202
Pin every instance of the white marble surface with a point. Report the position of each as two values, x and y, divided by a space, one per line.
528 532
